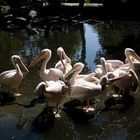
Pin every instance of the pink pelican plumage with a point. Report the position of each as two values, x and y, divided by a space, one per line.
64 64
112 66
101 70
13 78
81 89
126 83
53 91
51 74
88 77
133 60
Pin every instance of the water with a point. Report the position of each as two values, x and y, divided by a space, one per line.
85 43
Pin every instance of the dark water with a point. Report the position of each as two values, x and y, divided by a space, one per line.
85 43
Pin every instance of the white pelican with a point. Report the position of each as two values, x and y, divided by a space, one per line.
82 89
115 63
107 67
101 70
64 64
125 83
53 91
47 74
88 77
13 78
113 66
133 60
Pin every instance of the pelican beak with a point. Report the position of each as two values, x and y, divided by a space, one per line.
37 59
22 65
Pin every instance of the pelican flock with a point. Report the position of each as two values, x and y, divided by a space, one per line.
67 79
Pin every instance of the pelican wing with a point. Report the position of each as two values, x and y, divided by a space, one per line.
56 74
79 92
84 92
9 79
7 74
53 86
115 63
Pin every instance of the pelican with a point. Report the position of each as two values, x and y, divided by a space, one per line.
82 89
115 63
108 69
53 91
113 66
13 78
110 64
133 60
64 64
127 82
51 74
101 70
88 77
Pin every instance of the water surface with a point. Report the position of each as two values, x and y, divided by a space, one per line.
85 43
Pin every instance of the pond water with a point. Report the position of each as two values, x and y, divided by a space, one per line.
85 42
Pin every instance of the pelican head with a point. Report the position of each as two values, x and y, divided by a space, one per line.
70 76
44 54
133 59
64 64
77 68
60 51
62 55
17 60
130 53
103 63
101 70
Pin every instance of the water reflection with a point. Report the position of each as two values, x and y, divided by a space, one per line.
93 45
85 43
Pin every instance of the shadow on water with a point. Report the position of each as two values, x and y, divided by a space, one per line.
126 103
78 115
6 98
44 121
